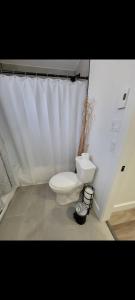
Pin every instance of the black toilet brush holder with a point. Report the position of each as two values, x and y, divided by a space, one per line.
80 213
83 208
79 219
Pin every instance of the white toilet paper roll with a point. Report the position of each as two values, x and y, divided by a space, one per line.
88 190
85 155
87 196
87 201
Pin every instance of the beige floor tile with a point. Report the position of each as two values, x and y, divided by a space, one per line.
33 214
19 204
10 228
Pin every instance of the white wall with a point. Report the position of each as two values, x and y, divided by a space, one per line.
6 191
59 64
83 67
108 80
70 66
122 195
4 182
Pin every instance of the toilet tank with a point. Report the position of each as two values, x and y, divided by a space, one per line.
85 169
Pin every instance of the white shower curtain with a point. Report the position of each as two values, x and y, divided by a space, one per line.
40 123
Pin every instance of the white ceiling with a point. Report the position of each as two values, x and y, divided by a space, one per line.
59 64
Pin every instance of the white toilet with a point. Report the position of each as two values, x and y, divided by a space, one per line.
68 185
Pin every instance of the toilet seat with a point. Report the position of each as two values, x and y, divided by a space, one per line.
64 181
68 185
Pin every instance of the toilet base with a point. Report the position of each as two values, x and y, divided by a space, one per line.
67 198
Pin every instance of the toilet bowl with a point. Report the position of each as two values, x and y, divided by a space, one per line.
68 185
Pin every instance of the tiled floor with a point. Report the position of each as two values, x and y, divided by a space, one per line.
33 214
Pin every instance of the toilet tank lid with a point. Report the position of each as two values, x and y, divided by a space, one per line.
85 164
64 180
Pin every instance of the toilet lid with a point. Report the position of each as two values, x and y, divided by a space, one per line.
64 180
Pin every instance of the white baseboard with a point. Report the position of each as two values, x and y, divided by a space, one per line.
124 206
96 207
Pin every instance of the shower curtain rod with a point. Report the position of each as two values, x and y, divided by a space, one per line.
71 77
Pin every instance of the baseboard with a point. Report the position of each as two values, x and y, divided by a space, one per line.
96 207
124 206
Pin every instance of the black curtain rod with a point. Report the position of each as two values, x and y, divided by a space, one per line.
71 77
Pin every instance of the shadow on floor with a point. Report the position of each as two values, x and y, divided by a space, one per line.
70 211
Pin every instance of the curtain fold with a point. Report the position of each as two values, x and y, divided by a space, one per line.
40 123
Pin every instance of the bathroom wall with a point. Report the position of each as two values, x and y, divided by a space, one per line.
70 66
107 83
122 195
5 186
83 67
60 64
